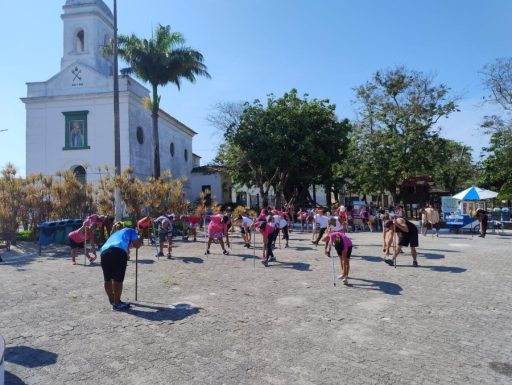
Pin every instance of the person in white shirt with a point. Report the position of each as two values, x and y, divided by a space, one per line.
322 221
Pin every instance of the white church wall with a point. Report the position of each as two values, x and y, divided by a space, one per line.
198 180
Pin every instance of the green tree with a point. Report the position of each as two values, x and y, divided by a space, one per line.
160 60
286 143
497 167
397 135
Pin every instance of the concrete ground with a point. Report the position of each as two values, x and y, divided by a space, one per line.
229 320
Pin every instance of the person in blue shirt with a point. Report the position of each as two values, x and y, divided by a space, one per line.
114 259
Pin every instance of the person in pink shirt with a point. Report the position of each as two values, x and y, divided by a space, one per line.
343 246
269 234
217 228
77 239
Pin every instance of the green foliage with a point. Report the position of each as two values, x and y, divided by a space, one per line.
497 167
396 136
160 60
285 143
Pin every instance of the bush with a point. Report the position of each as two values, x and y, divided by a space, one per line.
25 235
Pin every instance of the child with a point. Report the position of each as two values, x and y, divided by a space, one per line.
343 246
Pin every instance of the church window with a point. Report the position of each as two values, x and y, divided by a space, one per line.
172 149
80 41
185 154
140 135
75 130
80 174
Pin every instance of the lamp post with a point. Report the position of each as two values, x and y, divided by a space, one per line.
117 135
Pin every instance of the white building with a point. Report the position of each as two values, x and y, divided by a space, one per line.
70 117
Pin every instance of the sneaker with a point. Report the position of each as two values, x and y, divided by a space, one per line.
286 246
160 254
225 252
92 259
415 263
126 304
341 277
265 263
207 252
120 306
272 259
73 262
389 261
345 280
169 256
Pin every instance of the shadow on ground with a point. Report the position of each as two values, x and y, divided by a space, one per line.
29 357
11 379
143 261
175 312
439 269
189 259
389 288
290 265
369 258
431 255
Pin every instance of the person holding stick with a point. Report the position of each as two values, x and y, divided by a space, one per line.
245 229
217 228
165 229
343 246
408 237
143 228
114 259
387 237
78 239
268 233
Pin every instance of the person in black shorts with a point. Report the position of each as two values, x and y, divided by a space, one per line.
114 258
408 237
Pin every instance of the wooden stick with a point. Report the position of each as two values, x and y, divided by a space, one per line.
136 271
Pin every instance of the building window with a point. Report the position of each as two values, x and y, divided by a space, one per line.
75 130
80 174
80 41
186 155
172 149
241 198
140 135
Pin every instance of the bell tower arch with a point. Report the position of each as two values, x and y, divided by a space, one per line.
88 27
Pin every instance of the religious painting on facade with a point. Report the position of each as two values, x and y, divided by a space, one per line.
76 133
76 130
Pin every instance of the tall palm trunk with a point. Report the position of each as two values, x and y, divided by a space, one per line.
156 142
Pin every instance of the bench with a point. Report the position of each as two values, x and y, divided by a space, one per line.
6 239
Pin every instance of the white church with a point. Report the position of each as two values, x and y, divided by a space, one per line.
70 118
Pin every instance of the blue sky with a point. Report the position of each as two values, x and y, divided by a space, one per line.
255 47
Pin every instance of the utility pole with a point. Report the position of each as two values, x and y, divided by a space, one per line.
117 130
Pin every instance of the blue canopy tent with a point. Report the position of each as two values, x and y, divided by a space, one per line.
463 219
475 194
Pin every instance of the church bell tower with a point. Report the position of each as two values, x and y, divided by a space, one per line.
88 27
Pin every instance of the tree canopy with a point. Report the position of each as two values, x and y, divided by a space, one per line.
285 143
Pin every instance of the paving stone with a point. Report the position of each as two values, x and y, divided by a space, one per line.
226 320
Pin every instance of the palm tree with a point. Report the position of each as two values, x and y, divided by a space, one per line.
160 60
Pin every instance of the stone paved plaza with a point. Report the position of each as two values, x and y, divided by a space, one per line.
227 320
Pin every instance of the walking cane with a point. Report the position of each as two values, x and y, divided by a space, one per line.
394 245
85 247
333 268
279 236
136 271
254 250
154 237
